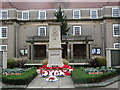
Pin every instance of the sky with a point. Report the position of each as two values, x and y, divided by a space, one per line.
60 0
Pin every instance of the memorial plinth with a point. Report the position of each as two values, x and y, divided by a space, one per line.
55 49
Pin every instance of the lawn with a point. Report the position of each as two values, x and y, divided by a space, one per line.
23 79
79 76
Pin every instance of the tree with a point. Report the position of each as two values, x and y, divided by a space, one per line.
62 18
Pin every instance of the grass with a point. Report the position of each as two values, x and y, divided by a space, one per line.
79 76
22 79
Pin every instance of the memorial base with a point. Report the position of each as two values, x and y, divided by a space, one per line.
55 58
54 65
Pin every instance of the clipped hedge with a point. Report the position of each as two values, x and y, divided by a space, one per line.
23 79
79 76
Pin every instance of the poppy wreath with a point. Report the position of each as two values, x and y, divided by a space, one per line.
55 71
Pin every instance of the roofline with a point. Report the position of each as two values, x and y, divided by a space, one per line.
106 4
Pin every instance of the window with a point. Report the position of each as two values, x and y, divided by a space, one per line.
25 15
115 12
116 45
42 15
23 52
4 14
116 29
76 30
3 32
41 31
93 14
3 47
96 51
76 14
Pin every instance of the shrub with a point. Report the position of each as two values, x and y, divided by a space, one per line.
98 61
20 63
45 62
101 61
93 63
16 62
23 79
64 61
11 63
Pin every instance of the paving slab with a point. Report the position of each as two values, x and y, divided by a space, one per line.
0 84
50 85
63 82
114 85
66 82
37 82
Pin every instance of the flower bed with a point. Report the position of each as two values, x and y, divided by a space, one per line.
22 79
15 71
80 75
99 70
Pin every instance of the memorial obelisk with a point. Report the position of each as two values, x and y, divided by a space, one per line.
54 49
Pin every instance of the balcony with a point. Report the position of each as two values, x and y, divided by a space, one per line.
31 39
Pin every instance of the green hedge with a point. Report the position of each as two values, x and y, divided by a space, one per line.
23 79
101 61
79 76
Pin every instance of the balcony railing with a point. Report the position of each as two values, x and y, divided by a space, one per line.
64 38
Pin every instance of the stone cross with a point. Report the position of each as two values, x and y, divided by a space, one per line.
55 49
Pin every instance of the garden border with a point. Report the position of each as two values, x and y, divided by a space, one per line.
101 84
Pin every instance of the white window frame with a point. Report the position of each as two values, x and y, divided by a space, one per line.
74 30
113 30
74 14
91 14
1 14
2 46
113 13
116 44
1 32
25 12
39 30
39 15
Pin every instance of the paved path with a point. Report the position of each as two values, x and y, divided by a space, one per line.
63 82
114 85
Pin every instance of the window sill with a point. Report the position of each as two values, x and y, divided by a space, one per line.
116 36
3 38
